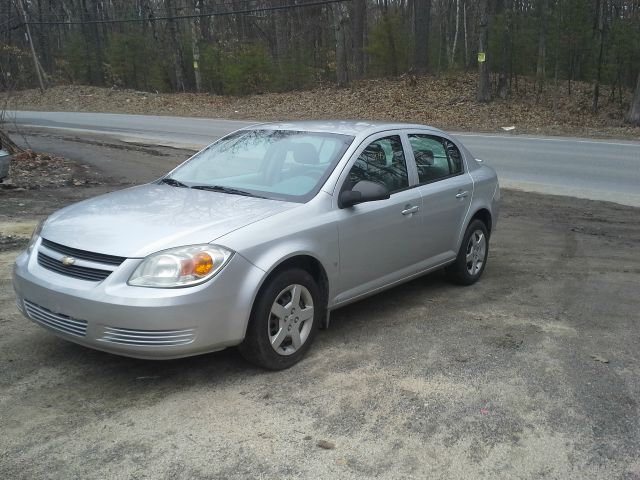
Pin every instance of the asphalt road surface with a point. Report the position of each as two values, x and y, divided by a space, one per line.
584 168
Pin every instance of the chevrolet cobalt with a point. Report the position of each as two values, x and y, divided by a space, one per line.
255 239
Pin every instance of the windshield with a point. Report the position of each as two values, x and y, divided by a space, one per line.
277 164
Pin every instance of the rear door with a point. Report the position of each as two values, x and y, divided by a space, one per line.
446 189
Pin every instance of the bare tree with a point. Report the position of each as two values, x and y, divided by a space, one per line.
452 52
599 26
5 142
542 45
358 25
505 63
466 35
196 33
633 117
484 83
421 21
36 64
281 28
248 46
177 48
339 21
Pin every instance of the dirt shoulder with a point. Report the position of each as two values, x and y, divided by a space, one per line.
531 373
445 102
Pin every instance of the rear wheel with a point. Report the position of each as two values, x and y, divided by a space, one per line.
284 321
472 256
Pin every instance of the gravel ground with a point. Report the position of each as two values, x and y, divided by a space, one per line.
532 373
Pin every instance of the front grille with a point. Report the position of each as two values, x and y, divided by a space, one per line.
160 338
83 254
75 271
56 321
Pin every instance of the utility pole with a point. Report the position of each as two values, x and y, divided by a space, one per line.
36 64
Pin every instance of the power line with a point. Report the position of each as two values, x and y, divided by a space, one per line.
182 17
55 16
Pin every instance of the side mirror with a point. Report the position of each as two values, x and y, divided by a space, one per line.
361 192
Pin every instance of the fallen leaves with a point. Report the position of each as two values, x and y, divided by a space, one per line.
446 101
30 170
11 242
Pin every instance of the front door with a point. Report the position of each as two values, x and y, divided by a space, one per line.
379 241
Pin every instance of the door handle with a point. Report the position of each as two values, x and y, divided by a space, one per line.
462 194
409 210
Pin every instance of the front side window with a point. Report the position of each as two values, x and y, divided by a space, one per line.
382 161
436 158
278 164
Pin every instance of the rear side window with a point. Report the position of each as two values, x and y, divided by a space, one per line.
436 158
455 158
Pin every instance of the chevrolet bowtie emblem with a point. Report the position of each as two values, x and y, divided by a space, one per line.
68 261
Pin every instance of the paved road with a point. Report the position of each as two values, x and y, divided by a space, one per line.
595 169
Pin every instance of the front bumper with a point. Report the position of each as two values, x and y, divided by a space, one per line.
139 322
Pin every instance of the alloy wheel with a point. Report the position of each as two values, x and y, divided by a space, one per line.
291 319
476 251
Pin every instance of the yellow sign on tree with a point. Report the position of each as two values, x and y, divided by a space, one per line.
481 57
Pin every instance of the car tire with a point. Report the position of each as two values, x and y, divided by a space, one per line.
472 256
280 331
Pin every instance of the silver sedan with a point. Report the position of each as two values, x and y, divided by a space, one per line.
254 240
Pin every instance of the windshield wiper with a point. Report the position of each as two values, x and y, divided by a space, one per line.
173 182
221 189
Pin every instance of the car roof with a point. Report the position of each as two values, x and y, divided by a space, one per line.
343 127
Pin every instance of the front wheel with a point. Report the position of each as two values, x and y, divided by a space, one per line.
472 256
284 321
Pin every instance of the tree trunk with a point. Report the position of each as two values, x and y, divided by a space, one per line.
358 23
556 68
195 45
600 5
339 23
282 37
98 75
421 20
205 22
452 53
177 48
43 45
466 36
542 45
633 117
36 64
391 39
505 63
484 83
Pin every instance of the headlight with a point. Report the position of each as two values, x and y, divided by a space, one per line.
180 267
34 236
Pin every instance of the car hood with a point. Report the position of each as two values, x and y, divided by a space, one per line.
142 220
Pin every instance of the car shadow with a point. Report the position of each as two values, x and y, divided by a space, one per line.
388 304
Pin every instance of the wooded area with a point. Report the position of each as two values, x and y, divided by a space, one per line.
251 46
